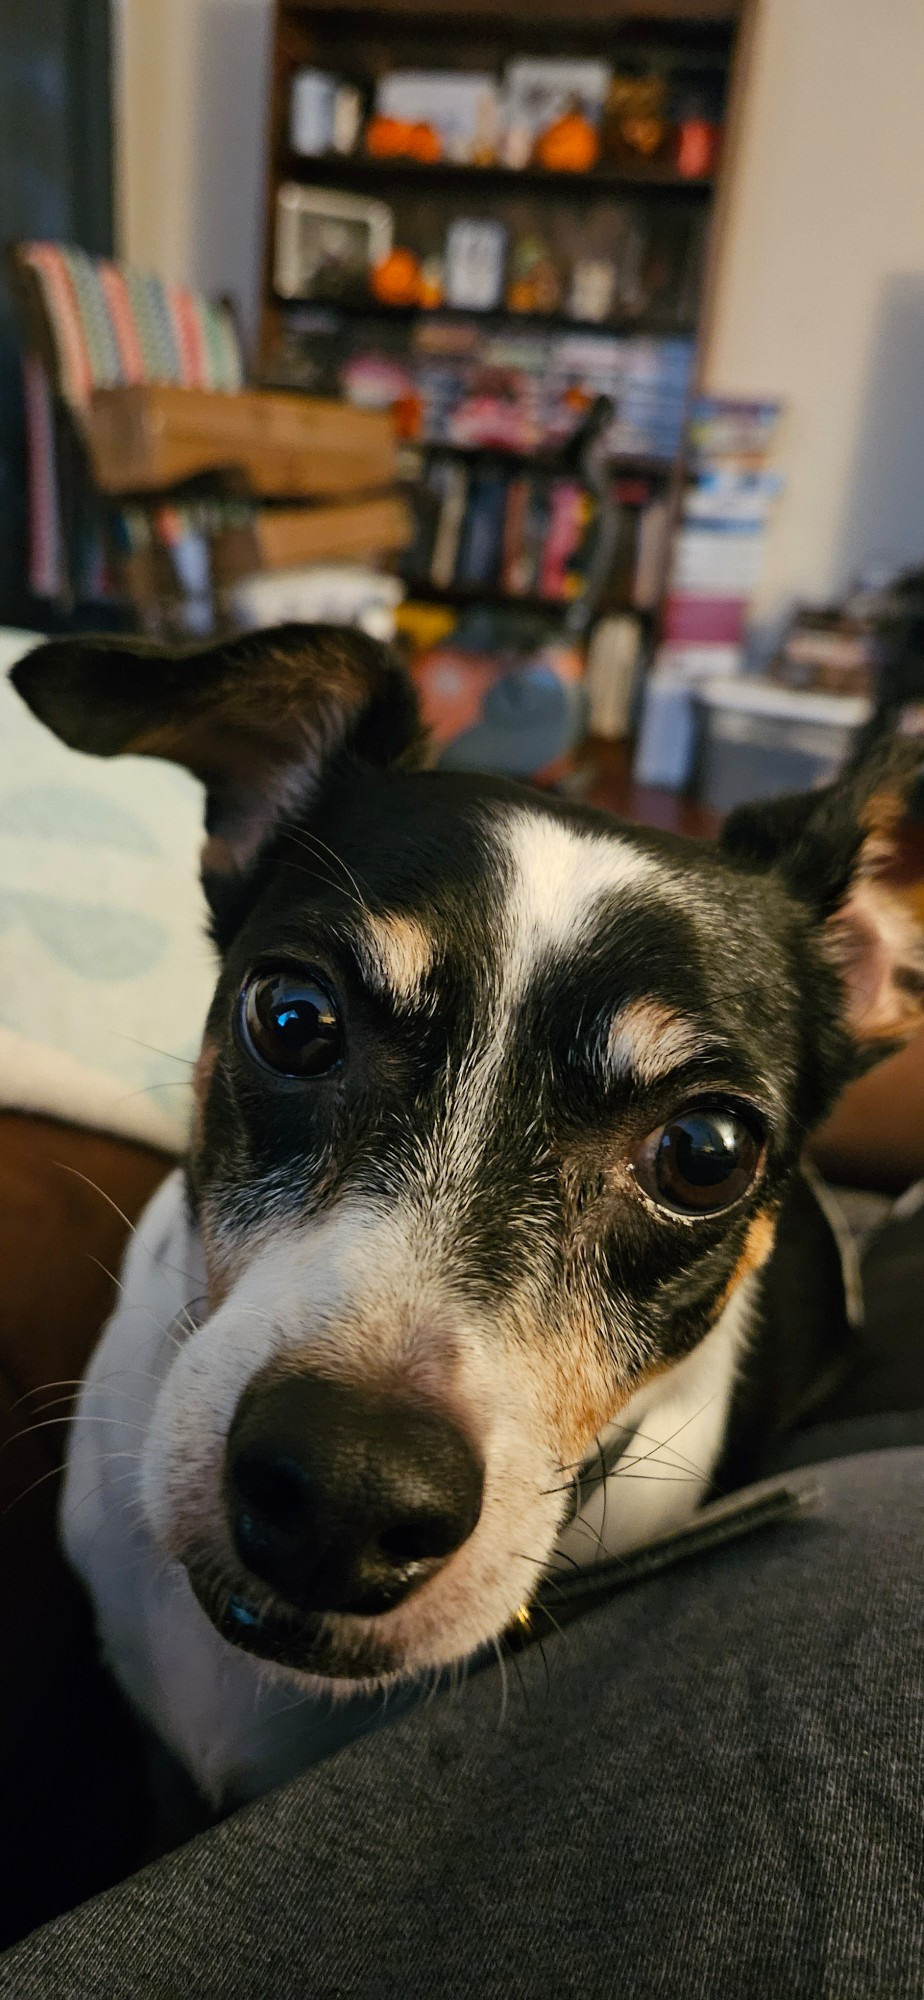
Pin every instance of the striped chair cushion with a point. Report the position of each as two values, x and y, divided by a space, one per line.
111 325
108 326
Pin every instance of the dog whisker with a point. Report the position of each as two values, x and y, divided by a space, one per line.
139 1306
120 1035
77 1382
78 1394
544 1566
585 1527
148 1089
156 1258
522 1684
54 1472
605 1484
691 1419
301 837
48 1423
503 1671
660 1444
562 1634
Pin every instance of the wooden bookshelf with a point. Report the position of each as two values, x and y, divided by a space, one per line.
703 39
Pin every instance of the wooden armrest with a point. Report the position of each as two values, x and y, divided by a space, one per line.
288 446
359 531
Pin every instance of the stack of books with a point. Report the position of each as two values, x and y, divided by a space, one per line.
719 548
716 566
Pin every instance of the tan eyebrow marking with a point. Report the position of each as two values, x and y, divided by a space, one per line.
648 1040
396 954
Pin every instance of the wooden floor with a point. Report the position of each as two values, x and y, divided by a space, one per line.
613 787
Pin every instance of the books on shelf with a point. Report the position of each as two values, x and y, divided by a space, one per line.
719 548
527 533
570 512
452 488
482 537
520 390
715 568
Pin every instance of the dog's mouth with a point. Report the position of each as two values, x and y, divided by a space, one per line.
309 1643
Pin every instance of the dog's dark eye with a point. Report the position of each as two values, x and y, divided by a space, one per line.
289 1021
703 1160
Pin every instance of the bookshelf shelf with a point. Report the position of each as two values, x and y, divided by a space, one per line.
362 171
644 324
622 465
464 595
590 16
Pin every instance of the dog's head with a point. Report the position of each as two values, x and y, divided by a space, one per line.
495 1110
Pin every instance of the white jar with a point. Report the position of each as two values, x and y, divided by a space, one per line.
313 111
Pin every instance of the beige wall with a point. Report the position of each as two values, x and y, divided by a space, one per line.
191 83
820 295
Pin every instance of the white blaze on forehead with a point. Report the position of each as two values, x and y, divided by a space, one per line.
559 877
555 882
648 1040
396 954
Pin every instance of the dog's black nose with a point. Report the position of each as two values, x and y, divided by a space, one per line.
342 1501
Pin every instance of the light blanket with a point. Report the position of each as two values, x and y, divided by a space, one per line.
105 965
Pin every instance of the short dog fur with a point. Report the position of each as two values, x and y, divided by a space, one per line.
549 1078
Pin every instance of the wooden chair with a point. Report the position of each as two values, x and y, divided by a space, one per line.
157 478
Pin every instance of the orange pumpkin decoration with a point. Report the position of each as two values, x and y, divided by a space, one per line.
521 296
425 143
407 412
430 289
395 281
644 135
398 139
386 137
569 146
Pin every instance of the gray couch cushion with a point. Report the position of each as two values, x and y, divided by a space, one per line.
709 1787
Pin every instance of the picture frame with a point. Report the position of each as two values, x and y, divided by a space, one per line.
475 263
538 90
462 107
326 242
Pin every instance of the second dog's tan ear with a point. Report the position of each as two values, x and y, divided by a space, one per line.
257 718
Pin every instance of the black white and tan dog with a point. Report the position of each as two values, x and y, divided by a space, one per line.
497 1107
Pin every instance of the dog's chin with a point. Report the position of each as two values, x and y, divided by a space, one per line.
317 1647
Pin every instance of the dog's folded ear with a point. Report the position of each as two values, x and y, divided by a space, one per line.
258 718
831 848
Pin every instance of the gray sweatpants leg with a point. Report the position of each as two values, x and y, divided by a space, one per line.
709 1789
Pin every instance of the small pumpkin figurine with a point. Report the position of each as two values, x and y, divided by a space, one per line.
431 289
570 145
386 138
635 123
535 282
424 143
395 280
